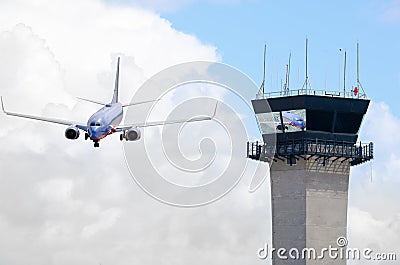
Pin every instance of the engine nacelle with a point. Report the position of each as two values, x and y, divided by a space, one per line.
72 133
132 134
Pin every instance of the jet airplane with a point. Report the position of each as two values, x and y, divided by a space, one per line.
107 120
291 119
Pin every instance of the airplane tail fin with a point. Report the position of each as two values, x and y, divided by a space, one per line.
115 96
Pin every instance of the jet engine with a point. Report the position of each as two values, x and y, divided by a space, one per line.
72 133
132 134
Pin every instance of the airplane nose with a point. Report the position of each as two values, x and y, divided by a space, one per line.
97 132
92 132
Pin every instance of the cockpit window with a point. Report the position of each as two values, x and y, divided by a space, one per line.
95 123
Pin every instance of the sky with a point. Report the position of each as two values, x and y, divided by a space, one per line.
240 29
63 202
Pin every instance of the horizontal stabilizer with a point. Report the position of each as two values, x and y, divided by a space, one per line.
92 101
140 102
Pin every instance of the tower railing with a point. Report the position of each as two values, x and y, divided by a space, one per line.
306 148
326 93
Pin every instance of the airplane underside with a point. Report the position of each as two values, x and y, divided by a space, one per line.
132 134
97 140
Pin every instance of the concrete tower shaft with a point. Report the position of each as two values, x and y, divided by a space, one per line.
309 207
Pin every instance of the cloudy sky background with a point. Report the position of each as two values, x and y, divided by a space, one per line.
63 202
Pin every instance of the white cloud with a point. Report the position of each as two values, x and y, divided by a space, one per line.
83 38
105 221
55 189
64 202
373 196
175 5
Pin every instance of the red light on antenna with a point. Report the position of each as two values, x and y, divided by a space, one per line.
355 91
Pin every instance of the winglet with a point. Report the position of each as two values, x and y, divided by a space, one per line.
140 102
2 104
215 110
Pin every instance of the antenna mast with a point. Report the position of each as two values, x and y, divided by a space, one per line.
358 64
358 69
307 82
262 87
344 73
288 77
306 61
265 55
286 87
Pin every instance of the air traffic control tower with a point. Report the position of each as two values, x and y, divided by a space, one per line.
316 144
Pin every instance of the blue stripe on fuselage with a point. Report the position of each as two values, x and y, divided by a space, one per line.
108 118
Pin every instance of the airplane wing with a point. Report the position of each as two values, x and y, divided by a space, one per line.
158 123
32 117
